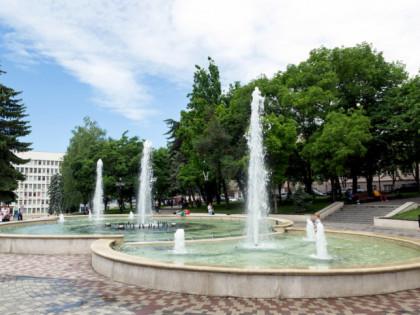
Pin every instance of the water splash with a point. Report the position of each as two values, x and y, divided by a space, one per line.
144 198
310 231
61 218
179 246
90 216
321 243
257 200
131 216
98 201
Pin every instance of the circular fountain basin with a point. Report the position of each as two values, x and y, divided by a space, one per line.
261 280
76 234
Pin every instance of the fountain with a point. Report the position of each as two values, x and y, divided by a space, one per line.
144 198
131 216
90 215
179 239
321 243
61 218
98 203
310 231
257 200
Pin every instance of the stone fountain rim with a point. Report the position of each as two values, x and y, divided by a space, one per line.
104 249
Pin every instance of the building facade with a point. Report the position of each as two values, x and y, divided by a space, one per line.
33 191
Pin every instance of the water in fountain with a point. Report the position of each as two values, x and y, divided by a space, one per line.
144 197
257 200
90 215
321 243
179 246
131 216
310 231
61 218
98 201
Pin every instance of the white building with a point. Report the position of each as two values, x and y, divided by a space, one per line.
33 192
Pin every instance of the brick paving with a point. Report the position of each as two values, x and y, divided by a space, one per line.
67 284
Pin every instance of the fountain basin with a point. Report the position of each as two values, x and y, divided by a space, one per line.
38 240
48 244
260 282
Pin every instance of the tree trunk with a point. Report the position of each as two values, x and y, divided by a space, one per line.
354 184
241 188
226 193
333 189
369 183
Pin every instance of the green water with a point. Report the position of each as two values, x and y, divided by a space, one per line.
285 251
194 228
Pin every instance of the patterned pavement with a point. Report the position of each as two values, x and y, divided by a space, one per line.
67 284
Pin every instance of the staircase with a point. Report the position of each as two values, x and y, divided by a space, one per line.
362 214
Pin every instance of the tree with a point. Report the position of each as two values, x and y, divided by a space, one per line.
56 193
79 163
161 165
204 100
342 138
12 127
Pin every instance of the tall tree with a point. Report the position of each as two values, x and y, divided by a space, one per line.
79 163
12 127
56 193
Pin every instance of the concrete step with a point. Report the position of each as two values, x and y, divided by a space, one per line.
360 213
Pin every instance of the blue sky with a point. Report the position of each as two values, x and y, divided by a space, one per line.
129 64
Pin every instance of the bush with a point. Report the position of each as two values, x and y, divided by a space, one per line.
301 200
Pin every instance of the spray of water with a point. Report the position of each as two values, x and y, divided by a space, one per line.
144 198
179 239
98 202
257 199
310 231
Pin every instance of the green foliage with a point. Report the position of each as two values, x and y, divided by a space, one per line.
79 163
301 200
12 127
56 193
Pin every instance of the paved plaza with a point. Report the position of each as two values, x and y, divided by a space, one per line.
67 284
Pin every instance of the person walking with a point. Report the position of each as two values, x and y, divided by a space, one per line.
20 213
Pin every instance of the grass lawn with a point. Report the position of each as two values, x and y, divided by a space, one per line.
412 214
238 207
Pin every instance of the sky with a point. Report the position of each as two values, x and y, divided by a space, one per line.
129 64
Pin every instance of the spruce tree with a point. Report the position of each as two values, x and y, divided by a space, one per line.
12 127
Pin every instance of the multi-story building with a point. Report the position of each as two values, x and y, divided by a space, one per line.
33 191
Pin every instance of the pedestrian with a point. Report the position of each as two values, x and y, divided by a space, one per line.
210 209
317 219
20 213
5 213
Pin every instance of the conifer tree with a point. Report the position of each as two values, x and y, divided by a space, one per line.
12 127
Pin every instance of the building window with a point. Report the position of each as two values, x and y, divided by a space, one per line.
388 187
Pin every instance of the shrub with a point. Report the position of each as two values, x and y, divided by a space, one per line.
301 200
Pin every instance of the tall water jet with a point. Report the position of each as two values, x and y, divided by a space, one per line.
144 197
98 197
321 243
257 199
179 239
310 231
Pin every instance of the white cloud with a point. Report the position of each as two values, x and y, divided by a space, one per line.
115 46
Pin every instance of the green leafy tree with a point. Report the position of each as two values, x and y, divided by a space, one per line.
79 163
12 127
56 193
342 137
121 159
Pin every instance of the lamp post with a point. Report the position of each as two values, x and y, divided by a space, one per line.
120 185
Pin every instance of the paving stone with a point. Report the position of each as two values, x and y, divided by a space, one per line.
67 284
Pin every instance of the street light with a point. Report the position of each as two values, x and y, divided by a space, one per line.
120 185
